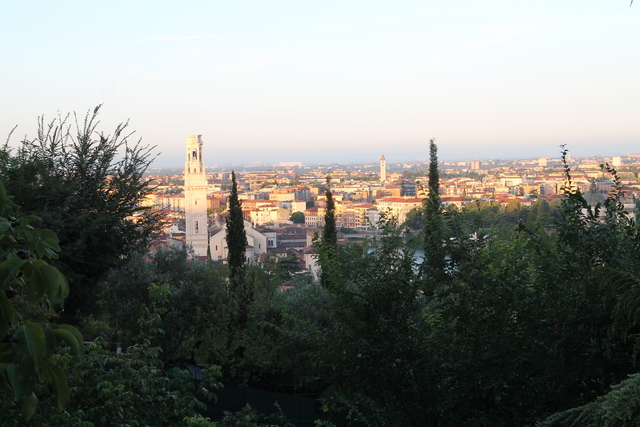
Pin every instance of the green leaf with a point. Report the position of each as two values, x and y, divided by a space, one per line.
29 404
7 311
59 381
50 239
56 286
4 225
35 341
40 249
48 234
3 198
76 333
69 338
37 283
19 376
8 271
51 342
6 353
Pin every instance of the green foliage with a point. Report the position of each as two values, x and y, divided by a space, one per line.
618 408
195 290
27 349
241 291
434 176
330 232
306 317
249 417
347 230
201 322
366 335
236 235
297 218
540 214
199 422
328 246
509 325
415 219
85 186
433 267
288 267
131 388
490 214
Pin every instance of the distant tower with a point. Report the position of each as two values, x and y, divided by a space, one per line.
195 196
616 161
383 169
475 165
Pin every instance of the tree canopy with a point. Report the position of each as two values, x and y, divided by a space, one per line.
87 186
297 218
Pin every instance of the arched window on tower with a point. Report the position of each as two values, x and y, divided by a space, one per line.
194 155
196 226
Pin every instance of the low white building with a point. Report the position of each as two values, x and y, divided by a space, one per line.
257 243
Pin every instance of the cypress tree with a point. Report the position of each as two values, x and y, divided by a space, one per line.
434 176
236 236
329 244
240 291
434 264
330 232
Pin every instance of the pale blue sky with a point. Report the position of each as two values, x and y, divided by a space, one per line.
333 80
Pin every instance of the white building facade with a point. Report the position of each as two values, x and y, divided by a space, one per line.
257 242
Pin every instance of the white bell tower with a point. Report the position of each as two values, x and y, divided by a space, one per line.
383 169
195 196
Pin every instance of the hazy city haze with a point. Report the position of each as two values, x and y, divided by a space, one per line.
332 81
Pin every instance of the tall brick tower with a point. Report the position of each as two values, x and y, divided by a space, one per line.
383 169
195 196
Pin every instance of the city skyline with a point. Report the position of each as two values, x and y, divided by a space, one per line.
332 82
550 162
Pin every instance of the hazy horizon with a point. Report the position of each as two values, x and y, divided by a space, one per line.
389 158
288 81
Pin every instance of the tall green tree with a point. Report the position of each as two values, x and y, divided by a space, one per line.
236 235
241 292
87 186
434 264
330 231
434 175
328 248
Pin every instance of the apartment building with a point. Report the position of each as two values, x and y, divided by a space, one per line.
357 216
399 207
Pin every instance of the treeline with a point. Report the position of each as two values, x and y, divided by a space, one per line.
529 321
492 214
